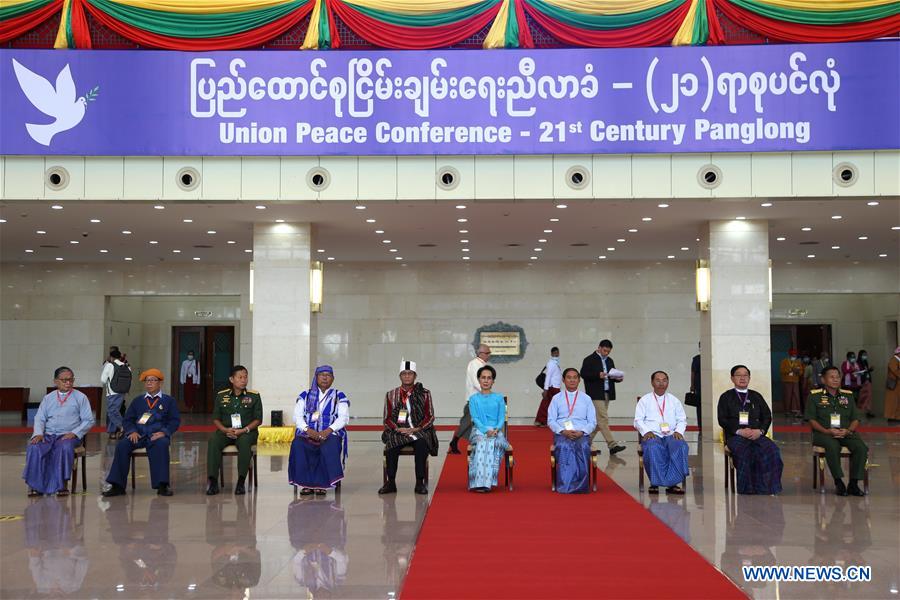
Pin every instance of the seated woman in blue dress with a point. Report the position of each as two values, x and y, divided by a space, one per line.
488 411
572 419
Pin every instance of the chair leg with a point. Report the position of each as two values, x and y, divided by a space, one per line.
815 472
132 473
74 478
733 473
84 474
727 474
255 472
222 472
641 474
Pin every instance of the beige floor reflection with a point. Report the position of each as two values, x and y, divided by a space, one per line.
318 533
235 561
57 558
754 527
147 557
671 511
399 537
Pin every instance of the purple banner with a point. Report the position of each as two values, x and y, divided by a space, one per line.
709 99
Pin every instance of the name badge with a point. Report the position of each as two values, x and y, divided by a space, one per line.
569 426
664 427
836 420
144 418
315 416
236 421
743 418
402 416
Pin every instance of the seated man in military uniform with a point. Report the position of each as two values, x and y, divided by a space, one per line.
833 417
237 415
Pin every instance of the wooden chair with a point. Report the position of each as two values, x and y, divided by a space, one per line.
818 460
640 453
404 451
508 459
80 456
252 475
593 468
142 452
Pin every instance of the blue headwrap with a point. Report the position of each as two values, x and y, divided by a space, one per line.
312 397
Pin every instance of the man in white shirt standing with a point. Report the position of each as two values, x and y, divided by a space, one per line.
552 385
116 379
190 380
482 356
661 421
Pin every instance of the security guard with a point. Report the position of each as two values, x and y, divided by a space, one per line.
833 416
237 415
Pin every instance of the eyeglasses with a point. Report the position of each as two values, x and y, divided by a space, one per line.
487 353
152 380
67 379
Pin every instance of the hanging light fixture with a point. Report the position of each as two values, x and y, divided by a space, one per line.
703 285
316 285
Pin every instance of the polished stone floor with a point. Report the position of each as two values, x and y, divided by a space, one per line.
269 545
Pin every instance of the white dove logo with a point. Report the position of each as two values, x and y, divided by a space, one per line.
60 103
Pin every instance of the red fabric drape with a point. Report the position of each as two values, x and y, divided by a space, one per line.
80 31
652 33
716 34
411 38
13 28
784 31
525 39
254 37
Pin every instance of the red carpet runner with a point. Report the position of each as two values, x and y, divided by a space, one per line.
532 543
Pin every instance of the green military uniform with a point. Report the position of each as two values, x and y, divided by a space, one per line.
819 407
249 406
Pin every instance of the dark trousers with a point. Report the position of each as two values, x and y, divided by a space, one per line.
465 424
157 454
393 458
859 452
218 441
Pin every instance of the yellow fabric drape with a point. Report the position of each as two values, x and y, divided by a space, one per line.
11 3
606 7
414 7
826 5
311 41
275 435
496 36
61 42
685 33
201 6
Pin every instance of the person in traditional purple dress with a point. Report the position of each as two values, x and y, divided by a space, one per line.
321 414
63 418
572 418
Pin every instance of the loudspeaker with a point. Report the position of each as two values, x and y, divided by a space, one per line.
277 418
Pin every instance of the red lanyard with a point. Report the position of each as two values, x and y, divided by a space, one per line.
663 409
571 407
155 400
62 400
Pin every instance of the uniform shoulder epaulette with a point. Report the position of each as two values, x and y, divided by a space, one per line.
223 391
253 392
817 391
843 391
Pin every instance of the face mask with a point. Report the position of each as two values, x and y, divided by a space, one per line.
863 356
852 360
556 358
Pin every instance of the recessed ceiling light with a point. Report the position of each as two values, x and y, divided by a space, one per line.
187 220
359 207
398 258
59 258
610 249
95 220
465 249
621 240
211 232
231 242
663 205
460 206
465 258
740 218
646 218
632 231
464 231
882 256
766 204
29 251
806 229
863 237
872 203
463 241
103 251
2 220
330 258
159 207
279 220
697 239
392 250
835 247
548 231
810 256
542 241
780 239
671 256
562 206
685 248
176 251
40 232
379 231
73 241
196 258
126 231
554 220
321 250
538 249
370 220
154 242
895 228
602 257
260 207
836 217
128 258
249 250
56 207
462 220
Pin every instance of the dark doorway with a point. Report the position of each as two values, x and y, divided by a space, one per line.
809 340
213 348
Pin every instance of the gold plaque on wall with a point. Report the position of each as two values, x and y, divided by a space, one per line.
501 343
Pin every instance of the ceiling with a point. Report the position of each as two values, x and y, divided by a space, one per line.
428 231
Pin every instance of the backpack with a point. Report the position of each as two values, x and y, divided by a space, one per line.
121 379
541 379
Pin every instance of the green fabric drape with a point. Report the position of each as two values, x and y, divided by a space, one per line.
823 17
425 20
603 22
17 10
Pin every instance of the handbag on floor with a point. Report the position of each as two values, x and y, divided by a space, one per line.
691 399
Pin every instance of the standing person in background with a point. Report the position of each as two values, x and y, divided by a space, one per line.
820 365
696 387
864 399
116 380
807 381
190 380
599 373
552 384
791 369
851 376
892 385
482 356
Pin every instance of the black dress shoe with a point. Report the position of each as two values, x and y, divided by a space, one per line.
653 489
115 490
616 449
212 487
389 488
306 492
454 446
164 490
421 488
239 489
839 488
853 489
320 492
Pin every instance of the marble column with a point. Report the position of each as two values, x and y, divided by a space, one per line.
282 340
735 329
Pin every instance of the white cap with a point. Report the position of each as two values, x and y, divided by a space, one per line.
407 365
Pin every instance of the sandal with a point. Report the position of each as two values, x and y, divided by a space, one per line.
306 492
675 489
34 493
653 489
320 492
62 493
